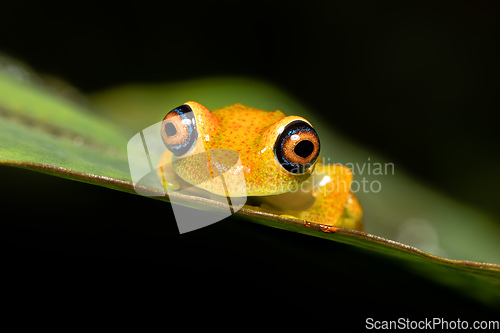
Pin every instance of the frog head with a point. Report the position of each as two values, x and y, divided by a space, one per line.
274 153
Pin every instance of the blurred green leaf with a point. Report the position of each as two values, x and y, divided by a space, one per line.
40 130
38 127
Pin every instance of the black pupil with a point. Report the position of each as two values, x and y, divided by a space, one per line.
304 148
170 129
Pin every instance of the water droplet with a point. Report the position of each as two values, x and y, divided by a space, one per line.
327 228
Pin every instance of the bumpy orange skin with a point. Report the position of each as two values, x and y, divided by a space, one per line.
252 133
334 200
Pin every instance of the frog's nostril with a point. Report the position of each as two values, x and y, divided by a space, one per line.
304 148
170 129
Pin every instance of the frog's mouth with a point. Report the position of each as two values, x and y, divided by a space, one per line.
217 171
282 202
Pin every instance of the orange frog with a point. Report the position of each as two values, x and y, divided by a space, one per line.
279 162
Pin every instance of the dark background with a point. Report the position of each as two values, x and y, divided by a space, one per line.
414 80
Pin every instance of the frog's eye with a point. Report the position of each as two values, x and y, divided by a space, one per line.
178 130
297 146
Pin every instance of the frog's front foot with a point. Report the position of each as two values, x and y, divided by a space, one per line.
335 204
328 201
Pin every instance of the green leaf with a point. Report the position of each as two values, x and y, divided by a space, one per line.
43 131
39 128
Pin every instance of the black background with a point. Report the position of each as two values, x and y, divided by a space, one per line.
416 81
